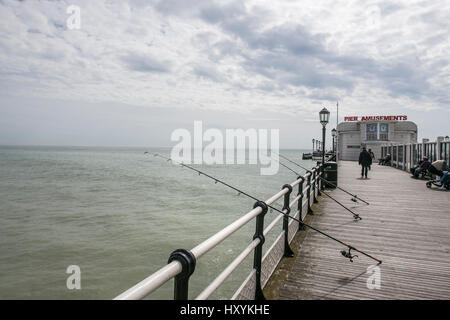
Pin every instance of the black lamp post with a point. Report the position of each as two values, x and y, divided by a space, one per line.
314 140
324 116
333 134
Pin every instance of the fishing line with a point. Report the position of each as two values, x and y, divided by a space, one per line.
355 215
355 197
345 253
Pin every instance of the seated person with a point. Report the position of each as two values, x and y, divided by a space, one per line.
423 167
445 179
385 160
415 167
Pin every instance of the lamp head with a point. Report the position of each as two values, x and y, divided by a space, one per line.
324 116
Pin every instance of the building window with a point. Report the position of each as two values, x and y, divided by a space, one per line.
372 130
377 131
384 129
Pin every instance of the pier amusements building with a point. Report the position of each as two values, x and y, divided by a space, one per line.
372 132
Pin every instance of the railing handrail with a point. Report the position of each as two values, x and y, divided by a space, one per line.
171 270
411 153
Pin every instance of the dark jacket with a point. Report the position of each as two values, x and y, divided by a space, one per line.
425 165
365 159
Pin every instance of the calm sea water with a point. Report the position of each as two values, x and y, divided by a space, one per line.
118 214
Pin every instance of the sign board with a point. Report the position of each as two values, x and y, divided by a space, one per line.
376 118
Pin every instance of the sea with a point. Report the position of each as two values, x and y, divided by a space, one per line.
117 214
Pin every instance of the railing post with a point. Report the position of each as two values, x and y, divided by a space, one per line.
405 157
300 203
257 258
318 180
188 262
309 194
321 175
288 253
314 184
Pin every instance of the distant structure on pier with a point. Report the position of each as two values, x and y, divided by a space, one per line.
372 132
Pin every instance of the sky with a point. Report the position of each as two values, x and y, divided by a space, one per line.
133 71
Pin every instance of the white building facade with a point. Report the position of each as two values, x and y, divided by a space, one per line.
373 132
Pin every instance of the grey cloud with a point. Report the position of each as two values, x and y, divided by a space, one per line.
208 72
289 53
390 8
179 7
219 13
145 63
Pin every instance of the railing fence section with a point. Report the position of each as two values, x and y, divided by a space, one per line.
182 262
406 156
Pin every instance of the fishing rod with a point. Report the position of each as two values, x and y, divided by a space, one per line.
355 197
345 253
355 215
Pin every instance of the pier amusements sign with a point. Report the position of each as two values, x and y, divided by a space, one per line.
377 118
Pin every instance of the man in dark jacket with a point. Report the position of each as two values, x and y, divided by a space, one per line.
365 160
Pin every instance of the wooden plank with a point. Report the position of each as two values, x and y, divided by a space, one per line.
406 225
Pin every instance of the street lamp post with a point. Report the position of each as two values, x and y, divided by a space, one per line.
333 134
314 140
324 116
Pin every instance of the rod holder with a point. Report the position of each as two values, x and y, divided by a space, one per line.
188 262
257 258
288 253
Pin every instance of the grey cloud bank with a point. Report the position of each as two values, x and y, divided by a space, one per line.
275 59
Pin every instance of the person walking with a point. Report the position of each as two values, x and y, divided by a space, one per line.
372 156
365 160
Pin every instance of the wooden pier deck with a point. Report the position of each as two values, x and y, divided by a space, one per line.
406 225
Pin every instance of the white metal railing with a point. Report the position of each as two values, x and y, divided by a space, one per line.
406 156
175 268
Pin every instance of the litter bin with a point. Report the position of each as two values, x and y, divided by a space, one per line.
330 174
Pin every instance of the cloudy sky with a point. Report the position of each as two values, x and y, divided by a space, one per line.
136 70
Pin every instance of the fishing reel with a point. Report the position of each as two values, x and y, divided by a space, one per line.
348 254
356 217
354 199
